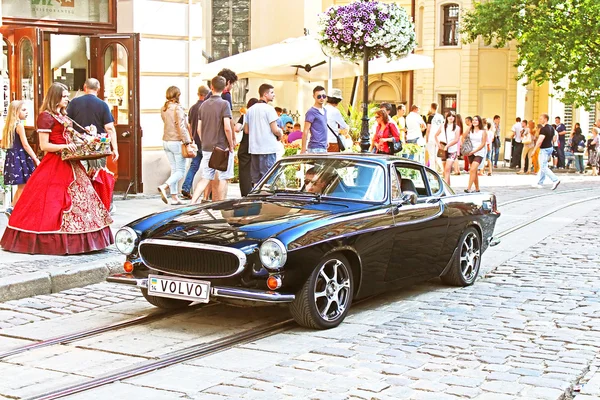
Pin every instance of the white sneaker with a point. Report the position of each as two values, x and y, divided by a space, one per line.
555 185
537 186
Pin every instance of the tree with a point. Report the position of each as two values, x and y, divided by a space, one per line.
557 41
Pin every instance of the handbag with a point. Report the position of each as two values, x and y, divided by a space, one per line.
192 153
340 142
219 159
90 144
395 146
467 146
527 139
441 153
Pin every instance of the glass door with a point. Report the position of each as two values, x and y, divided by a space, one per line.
115 64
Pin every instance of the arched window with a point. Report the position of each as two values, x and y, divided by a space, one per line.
450 25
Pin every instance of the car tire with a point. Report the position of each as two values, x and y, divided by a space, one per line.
164 302
467 260
324 300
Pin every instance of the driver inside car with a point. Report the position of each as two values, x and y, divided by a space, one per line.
316 180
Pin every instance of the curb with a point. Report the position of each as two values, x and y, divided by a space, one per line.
58 279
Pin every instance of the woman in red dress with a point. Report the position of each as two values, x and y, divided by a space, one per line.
59 212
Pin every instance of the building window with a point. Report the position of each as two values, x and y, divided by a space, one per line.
450 27
568 121
230 27
448 103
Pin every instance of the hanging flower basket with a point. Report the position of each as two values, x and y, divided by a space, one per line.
385 29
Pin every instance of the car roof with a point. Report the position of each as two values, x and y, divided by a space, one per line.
379 158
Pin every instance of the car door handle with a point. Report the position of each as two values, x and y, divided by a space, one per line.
126 134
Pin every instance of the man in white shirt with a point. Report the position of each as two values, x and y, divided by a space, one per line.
414 128
434 121
335 121
517 144
263 133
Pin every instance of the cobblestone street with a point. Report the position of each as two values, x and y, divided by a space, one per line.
528 329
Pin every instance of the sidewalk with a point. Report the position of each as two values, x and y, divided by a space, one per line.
24 275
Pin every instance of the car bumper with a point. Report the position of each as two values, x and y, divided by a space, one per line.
215 291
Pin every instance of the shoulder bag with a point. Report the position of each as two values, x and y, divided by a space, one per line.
395 146
467 146
193 151
340 142
219 159
441 153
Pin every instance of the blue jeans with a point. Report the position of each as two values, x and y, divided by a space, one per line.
495 155
410 156
189 178
177 162
316 150
260 164
579 162
544 170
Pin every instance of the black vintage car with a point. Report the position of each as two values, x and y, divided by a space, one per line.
317 232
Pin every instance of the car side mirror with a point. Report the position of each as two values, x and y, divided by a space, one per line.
409 197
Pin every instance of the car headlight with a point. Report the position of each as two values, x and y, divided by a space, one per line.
126 240
273 254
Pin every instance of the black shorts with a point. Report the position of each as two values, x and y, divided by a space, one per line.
473 158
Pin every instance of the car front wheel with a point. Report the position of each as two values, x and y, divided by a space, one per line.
467 260
325 298
164 302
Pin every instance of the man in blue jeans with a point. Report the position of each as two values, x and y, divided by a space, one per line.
315 124
544 143
195 165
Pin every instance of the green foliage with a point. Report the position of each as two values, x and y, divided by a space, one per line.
557 41
354 118
410 148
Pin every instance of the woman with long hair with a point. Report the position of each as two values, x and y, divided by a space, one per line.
385 134
461 126
534 132
59 211
448 142
21 160
478 136
528 148
176 132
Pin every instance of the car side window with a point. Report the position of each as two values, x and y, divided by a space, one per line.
395 184
434 183
412 180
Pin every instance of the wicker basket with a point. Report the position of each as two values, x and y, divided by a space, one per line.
87 151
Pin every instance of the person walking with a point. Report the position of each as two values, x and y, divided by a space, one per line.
414 131
215 130
175 133
561 129
244 157
496 144
263 133
528 149
578 148
461 128
468 123
478 136
448 143
491 132
535 155
385 134
594 149
434 121
89 110
186 189
335 121
517 144
59 212
20 160
314 136
544 143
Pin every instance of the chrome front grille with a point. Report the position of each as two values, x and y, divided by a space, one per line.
192 259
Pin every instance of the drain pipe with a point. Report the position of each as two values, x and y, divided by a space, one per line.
190 91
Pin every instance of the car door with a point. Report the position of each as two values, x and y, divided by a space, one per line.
419 229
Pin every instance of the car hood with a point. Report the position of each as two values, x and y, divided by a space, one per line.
237 223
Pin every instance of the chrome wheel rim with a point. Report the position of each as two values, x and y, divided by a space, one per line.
470 255
332 290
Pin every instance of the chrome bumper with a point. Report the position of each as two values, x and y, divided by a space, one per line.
215 291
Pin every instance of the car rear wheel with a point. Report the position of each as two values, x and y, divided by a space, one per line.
164 302
325 298
467 260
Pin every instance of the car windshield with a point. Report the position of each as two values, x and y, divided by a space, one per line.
326 177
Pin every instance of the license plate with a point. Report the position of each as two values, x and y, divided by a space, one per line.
179 288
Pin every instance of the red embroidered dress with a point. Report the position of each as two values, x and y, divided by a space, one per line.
59 211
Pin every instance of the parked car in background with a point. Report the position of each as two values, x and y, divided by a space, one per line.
318 232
